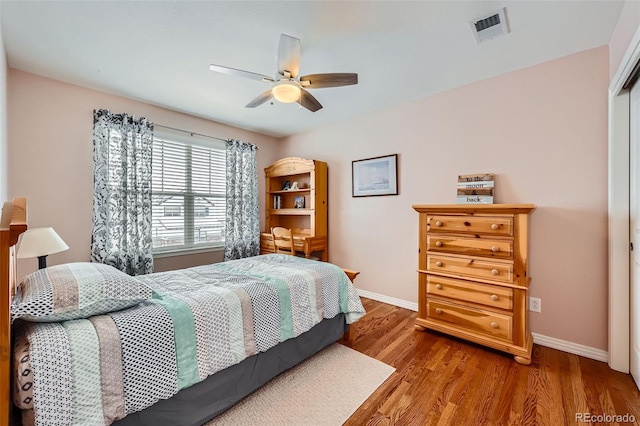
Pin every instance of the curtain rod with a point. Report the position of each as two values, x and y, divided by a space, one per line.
194 133
191 133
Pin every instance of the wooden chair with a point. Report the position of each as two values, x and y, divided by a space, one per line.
282 240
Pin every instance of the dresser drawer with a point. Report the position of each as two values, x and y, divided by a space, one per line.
471 268
498 249
498 225
477 320
493 296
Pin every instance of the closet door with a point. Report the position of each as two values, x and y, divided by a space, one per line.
634 232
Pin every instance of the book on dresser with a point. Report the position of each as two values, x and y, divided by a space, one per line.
473 277
476 189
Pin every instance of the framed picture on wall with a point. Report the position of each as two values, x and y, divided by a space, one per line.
375 176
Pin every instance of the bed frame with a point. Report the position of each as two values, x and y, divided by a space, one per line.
13 222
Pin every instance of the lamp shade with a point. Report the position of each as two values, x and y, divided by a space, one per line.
40 242
286 91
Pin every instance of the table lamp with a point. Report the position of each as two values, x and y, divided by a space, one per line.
40 242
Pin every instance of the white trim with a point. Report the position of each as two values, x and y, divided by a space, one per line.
619 210
629 60
390 300
619 232
570 347
186 252
550 342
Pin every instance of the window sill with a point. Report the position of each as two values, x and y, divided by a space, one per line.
186 252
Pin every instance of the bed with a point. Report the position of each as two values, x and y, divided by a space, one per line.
173 348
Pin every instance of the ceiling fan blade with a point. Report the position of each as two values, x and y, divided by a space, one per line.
240 73
289 55
318 81
262 98
308 101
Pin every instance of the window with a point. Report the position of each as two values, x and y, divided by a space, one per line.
188 192
172 210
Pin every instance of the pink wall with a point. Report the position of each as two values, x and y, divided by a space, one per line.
542 130
4 174
51 156
627 26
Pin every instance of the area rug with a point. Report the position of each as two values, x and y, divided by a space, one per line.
322 391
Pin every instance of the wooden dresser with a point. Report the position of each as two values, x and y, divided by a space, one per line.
473 278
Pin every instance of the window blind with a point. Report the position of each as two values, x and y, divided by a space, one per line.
188 191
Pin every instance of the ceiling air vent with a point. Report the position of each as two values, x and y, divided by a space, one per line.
490 26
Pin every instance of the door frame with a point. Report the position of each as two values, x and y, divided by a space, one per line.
619 142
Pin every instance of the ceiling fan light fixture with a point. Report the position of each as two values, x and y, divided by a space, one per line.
286 91
287 86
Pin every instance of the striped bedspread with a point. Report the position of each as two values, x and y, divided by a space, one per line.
202 320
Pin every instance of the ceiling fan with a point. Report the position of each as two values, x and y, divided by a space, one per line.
287 86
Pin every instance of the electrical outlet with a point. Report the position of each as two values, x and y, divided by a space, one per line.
535 304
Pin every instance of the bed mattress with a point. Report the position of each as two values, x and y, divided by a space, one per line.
201 321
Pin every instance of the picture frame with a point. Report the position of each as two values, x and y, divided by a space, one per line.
375 176
299 203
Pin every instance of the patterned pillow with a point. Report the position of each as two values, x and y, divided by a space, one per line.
76 290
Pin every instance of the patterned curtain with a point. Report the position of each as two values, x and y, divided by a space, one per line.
122 192
242 238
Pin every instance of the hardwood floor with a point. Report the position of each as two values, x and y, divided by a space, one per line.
440 380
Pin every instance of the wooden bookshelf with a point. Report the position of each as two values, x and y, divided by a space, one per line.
309 224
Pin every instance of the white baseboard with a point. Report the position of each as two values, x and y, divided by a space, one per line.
572 348
390 300
550 342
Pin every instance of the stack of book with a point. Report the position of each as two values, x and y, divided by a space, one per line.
476 189
276 201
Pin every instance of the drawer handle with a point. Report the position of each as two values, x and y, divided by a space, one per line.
438 311
438 244
495 297
438 264
495 249
495 226
438 287
495 272
438 223
494 325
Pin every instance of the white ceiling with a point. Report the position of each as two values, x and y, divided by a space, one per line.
159 51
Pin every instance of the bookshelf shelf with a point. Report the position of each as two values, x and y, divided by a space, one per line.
291 191
288 212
